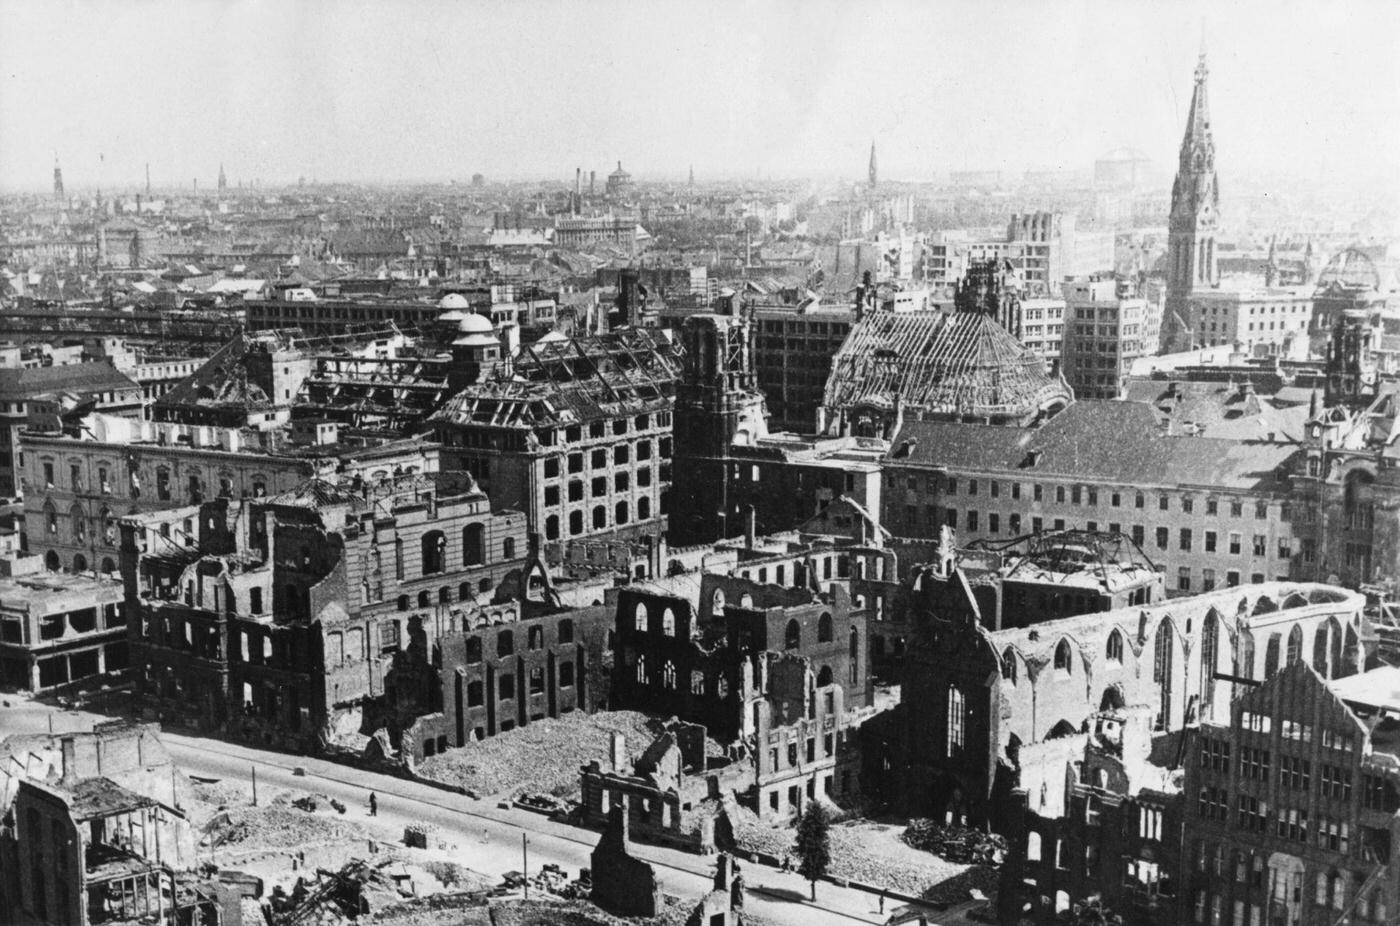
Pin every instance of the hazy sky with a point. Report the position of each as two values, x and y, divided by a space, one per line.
414 89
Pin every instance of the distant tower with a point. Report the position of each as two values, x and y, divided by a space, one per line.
1195 207
874 173
1271 265
148 178
716 398
57 180
223 181
692 175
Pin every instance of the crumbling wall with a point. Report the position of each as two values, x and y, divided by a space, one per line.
622 884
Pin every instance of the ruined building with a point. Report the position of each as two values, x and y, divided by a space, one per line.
898 366
277 619
983 708
575 432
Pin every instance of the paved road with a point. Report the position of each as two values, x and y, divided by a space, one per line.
487 838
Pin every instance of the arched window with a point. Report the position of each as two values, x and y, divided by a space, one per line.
1271 655
1351 654
697 682
792 636
1114 650
824 677
643 508
620 513
79 524
108 567
1063 658
717 603
464 591
1295 645
642 669
668 622
434 553
505 644
957 711
1162 674
640 617
473 545
425 599
79 562
824 634
403 603
1008 665
668 675
1210 656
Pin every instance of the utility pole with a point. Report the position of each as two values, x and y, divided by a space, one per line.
255 784
525 852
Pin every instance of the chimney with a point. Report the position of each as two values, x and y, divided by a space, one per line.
592 179
750 526
619 753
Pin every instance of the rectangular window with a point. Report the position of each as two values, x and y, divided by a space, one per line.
1183 578
1234 544
1210 541
972 521
972 487
1162 503
1186 539
1038 492
993 523
1163 538
1261 545
1139 534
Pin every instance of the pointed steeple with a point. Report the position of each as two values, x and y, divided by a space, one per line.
223 180
874 173
1194 208
57 179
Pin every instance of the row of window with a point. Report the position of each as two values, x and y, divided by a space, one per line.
599 458
506 686
621 512
622 482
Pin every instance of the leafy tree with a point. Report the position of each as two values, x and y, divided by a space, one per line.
814 844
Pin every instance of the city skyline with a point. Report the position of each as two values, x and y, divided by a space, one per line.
417 91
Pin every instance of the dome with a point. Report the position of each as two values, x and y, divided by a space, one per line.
452 317
472 323
454 301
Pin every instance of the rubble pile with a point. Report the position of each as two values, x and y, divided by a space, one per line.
860 851
542 756
955 843
280 825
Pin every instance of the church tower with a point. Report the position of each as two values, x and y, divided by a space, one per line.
717 400
223 180
57 181
874 174
1195 207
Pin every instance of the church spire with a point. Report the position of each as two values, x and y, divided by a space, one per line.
874 174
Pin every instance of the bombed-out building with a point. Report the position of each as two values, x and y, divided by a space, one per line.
575 432
296 606
975 700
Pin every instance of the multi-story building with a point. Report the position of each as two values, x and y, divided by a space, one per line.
584 231
95 834
711 660
106 388
1211 512
1106 329
1292 798
81 480
1044 248
277 619
793 349
495 675
575 432
58 629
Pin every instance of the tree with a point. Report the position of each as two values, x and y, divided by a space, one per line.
814 844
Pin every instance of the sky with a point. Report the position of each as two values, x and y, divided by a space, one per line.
407 90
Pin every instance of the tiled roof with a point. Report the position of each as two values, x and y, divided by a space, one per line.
1095 441
73 377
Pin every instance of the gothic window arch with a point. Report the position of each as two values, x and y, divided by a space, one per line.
1064 658
824 632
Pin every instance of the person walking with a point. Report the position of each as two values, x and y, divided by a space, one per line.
373 805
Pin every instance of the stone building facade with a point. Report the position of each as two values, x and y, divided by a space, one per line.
298 605
975 698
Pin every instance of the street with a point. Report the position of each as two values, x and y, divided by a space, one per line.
487 838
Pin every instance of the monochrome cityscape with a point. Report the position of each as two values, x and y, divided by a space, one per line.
701 464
